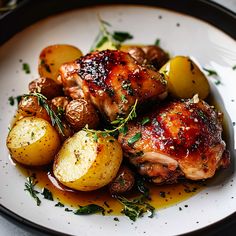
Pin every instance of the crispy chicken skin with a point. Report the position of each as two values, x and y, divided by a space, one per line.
112 80
182 138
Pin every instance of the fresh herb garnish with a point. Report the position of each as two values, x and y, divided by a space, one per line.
136 207
157 42
124 99
210 72
145 120
59 204
142 187
12 99
134 138
29 186
122 36
126 85
89 209
47 194
234 67
68 210
120 123
26 68
115 38
124 130
42 101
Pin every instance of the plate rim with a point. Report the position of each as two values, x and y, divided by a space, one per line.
8 21
28 12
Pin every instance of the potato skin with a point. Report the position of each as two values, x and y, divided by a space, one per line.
53 56
86 164
80 112
29 106
33 142
184 78
48 87
60 102
147 55
123 182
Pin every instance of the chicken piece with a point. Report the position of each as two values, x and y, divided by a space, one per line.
112 80
180 138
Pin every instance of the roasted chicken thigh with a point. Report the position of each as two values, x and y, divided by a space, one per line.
179 138
112 80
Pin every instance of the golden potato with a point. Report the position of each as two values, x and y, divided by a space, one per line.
185 78
52 57
86 164
33 141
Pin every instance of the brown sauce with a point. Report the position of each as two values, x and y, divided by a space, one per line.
161 196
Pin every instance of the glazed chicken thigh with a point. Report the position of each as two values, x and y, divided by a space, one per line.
180 138
112 80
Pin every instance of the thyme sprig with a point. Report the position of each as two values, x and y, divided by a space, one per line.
104 35
136 207
42 101
29 186
120 123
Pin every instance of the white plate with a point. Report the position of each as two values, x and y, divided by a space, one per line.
180 35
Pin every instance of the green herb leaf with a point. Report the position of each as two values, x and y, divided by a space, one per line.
234 67
136 207
145 120
121 36
101 41
135 138
47 194
142 187
11 101
89 209
42 101
157 42
26 68
120 122
29 187
67 209
123 98
124 130
115 38
211 72
59 204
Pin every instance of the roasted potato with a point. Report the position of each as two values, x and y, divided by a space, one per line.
52 57
60 102
184 78
33 141
48 87
155 55
80 112
29 106
86 163
149 55
136 52
123 182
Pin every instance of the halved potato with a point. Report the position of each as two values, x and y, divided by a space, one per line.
185 78
86 164
52 57
33 141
